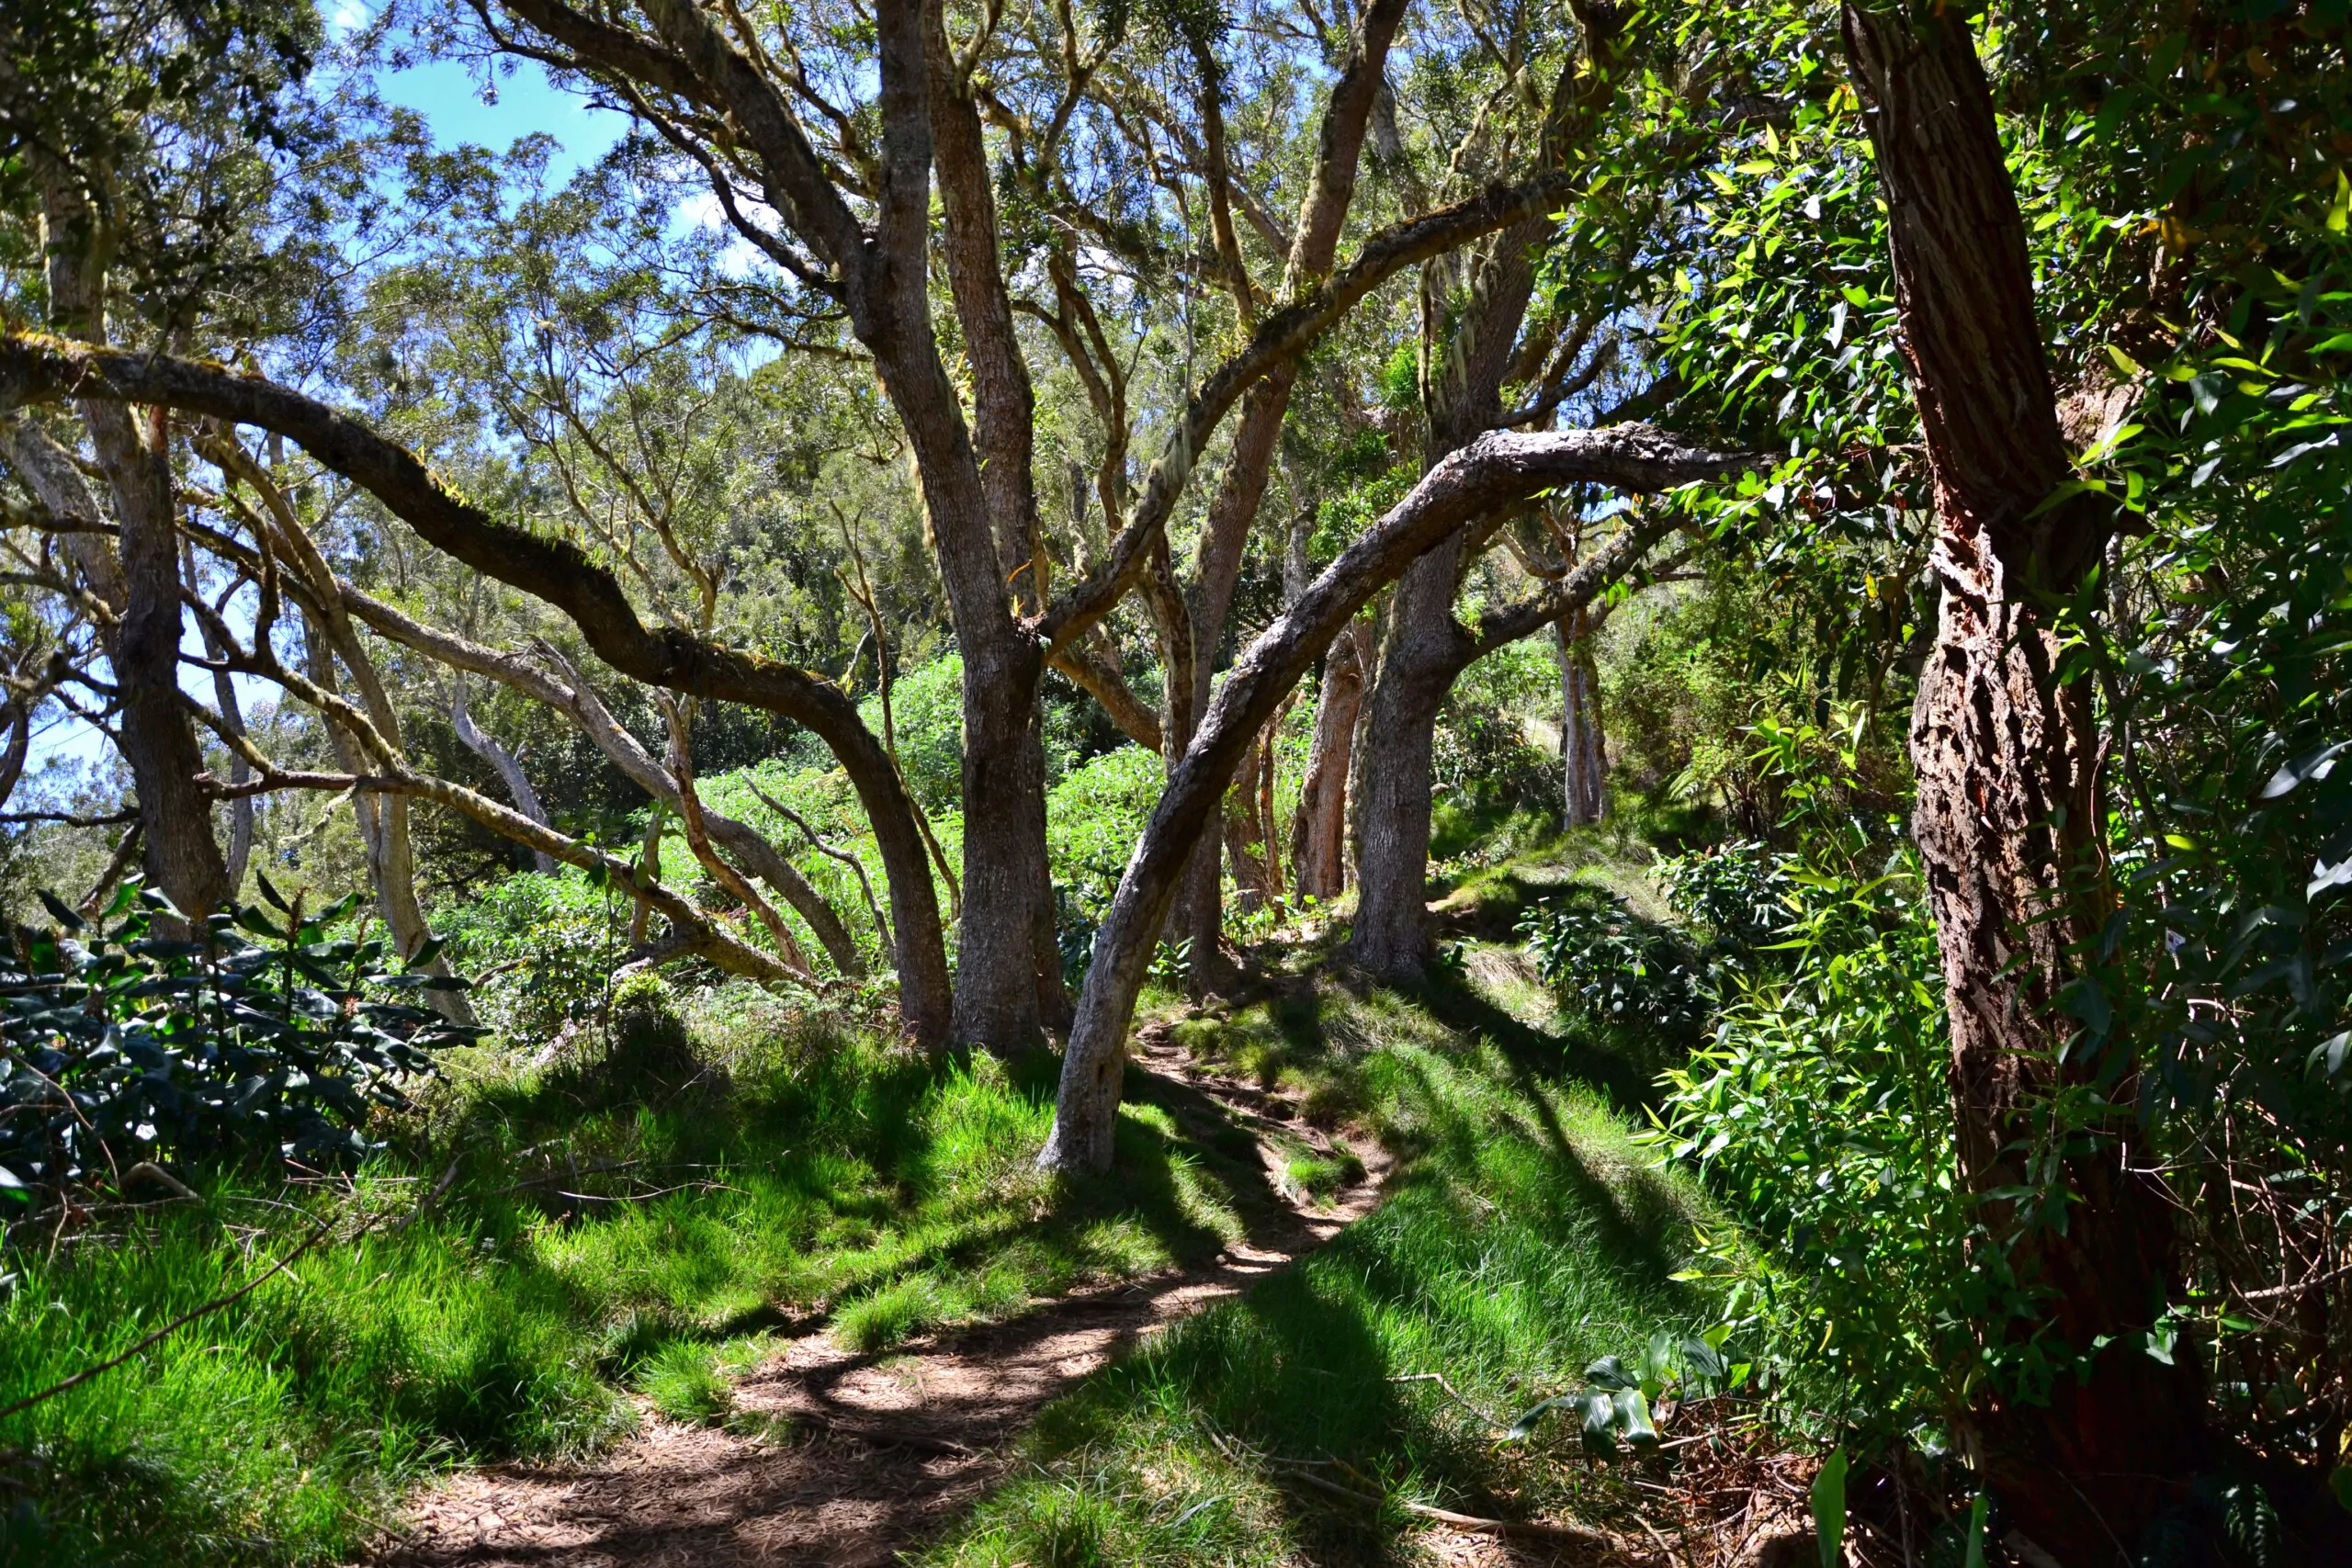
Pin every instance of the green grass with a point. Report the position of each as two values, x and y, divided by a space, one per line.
816 1173
1523 1236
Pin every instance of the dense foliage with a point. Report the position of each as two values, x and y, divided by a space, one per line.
122 1046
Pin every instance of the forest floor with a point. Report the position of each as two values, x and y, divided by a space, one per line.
1327 1391
829 1455
814 1302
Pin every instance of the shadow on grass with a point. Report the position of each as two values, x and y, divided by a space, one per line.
1623 1062
1523 1238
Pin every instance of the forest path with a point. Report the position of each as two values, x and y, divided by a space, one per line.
869 1454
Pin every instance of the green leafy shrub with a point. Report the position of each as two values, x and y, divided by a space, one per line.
1737 892
1821 1120
645 1050
545 948
1482 754
927 720
1596 951
117 1046
1093 820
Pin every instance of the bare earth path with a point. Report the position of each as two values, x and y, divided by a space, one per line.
872 1453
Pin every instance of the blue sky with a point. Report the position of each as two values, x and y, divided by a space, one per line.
449 95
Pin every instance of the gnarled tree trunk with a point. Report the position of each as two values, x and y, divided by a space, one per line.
2007 816
1493 471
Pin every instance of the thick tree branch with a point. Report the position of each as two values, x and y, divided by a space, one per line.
34 368
1495 470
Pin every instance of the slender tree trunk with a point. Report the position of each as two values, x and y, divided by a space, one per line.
1225 538
182 855
2008 818
1244 838
1584 763
241 809
383 819
1392 936
1319 830
508 767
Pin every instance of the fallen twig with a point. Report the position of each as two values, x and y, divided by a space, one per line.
440 1190
1533 1529
1452 1395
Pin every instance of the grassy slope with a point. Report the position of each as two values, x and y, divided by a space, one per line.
813 1175
1523 1238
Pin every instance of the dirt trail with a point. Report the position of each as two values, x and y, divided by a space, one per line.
874 1453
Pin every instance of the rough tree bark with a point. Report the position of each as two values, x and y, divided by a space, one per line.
1426 648
2007 756
1009 976
1494 471
182 856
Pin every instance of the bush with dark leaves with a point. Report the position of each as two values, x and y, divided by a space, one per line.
270 1037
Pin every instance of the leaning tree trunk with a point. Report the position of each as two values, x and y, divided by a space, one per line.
1495 470
1319 829
2008 818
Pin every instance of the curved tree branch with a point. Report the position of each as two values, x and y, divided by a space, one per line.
37 368
1495 470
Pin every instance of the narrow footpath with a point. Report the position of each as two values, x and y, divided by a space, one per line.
843 1460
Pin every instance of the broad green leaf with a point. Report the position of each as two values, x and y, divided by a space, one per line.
1830 1509
1609 1372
